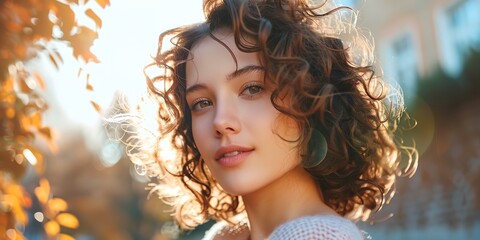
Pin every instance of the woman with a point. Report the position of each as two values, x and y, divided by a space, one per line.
271 125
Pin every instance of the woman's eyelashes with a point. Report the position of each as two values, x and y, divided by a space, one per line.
200 104
250 90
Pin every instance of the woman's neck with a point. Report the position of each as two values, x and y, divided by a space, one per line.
292 196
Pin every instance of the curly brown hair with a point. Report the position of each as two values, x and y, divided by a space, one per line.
332 91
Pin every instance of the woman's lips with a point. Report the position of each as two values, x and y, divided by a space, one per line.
232 155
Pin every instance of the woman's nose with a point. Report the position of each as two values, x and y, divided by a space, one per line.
226 119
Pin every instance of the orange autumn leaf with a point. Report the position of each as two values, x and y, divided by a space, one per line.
40 80
24 86
52 7
67 220
46 132
53 60
91 14
66 16
40 168
65 237
57 55
51 228
36 120
103 3
89 87
20 192
96 106
28 26
14 203
10 112
43 191
57 205
21 51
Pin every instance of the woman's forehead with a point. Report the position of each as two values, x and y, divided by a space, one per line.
217 55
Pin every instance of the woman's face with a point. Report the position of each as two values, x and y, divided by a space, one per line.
235 126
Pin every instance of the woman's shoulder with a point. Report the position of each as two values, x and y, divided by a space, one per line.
224 231
326 227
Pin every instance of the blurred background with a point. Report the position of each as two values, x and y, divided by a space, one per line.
432 49
64 64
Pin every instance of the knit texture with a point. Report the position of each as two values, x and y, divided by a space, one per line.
324 227
319 227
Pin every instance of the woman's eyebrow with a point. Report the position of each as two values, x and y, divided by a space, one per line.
245 70
236 73
194 88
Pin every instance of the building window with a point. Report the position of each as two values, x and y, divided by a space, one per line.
400 61
464 22
459 32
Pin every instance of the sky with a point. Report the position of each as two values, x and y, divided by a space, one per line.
127 40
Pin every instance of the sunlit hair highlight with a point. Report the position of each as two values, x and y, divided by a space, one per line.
317 60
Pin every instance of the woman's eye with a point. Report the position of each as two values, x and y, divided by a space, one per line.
200 104
253 89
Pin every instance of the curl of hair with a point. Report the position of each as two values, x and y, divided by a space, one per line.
316 58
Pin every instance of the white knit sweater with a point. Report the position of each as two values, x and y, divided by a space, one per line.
319 227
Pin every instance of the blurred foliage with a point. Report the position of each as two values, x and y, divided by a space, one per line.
440 97
448 137
27 26
443 92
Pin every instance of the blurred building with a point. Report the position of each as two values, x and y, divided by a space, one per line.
413 38
424 46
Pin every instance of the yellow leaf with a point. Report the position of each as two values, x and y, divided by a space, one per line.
20 50
19 191
57 205
49 134
24 87
51 228
67 220
40 167
19 214
14 204
43 191
10 112
89 87
36 120
40 80
53 60
96 106
65 237
46 132
57 55
103 3
90 13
